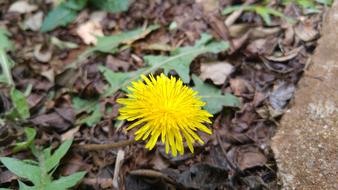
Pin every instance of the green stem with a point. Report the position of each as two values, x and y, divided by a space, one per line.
5 65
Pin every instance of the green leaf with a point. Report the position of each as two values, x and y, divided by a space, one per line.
5 43
76 5
6 65
63 44
54 160
110 44
60 16
213 96
181 58
83 105
263 11
115 79
113 6
20 103
94 118
22 169
91 107
64 183
30 135
23 186
325 2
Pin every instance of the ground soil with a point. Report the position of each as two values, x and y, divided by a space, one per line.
306 143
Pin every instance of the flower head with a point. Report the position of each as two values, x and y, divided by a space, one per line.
164 107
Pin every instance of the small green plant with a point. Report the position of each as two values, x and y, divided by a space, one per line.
263 11
309 5
67 11
20 109
40 172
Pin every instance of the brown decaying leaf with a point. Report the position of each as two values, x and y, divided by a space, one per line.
218 72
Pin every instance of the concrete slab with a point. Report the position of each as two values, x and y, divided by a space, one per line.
306 144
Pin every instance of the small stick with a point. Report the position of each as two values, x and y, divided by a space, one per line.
105 146
152 173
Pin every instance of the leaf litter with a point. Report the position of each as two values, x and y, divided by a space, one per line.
244 63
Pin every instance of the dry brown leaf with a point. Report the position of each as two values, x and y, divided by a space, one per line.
34 22
217 71
89 31
22 7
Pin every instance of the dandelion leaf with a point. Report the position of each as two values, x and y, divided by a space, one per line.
181 58
213 96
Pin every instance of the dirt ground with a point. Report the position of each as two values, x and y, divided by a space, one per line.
306 144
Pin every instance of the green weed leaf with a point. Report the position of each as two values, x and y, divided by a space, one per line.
63 183
213 96
110 44
5 43
22 169
54 160
179 61
30 135
20 104
62 15
263 11
181 58
113 6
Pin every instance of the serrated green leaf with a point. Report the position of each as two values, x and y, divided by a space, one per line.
60 16
213 96
181 58
179 61
113 6
110 44
23 186
120 80
54 160
5 43
83 105
20 104
93 118
64 183
30 136
22 169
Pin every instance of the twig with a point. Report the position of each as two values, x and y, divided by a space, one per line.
105 146
153 174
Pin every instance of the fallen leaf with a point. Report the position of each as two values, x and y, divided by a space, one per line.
69 135
282 93
116 64
89 31
34 22
42 55
238 86
286 57
60 120
247 156
22 7
306 32
203 176
218 72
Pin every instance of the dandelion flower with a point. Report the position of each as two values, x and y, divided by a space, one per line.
165 108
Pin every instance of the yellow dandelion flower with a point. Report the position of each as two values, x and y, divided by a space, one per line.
165 107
